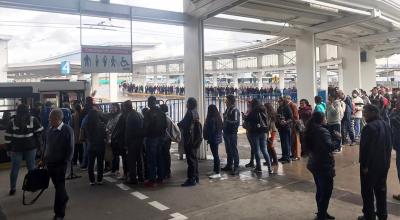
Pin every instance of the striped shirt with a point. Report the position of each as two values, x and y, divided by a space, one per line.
25 138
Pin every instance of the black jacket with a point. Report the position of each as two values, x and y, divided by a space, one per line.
231 120
376 146
23 138
320 147
252 119
133 127
186 122
284 113
155 123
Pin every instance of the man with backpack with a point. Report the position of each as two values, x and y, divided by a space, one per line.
231 125
155 124
192 137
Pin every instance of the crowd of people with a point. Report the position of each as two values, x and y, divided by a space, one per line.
148 89
141 141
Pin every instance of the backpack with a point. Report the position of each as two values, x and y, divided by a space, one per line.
195 133
35 180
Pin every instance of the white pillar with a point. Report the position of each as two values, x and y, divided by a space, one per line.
113 87
305 66
368 71
95 82
3 59
281 63
351 67
323 70
259 74
194 66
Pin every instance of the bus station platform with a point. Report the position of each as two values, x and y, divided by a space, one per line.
288 194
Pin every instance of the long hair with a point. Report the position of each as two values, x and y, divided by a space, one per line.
213 113
270 111
316 119
22 118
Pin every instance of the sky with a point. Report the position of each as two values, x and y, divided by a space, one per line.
39 35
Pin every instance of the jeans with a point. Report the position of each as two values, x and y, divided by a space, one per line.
85 160
231 150
259 142
347 129
357 127
324 184
374 185
214 151
155 158
57 175
398 163
16 158
285 143
251 148
167 157
192 162
135 160
93 156
336 141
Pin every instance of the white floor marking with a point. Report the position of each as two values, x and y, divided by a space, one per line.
178 216
110 179
158 206
139 195
123 187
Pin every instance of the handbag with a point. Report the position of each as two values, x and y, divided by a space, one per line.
35 180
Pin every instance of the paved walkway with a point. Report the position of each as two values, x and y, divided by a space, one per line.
287 195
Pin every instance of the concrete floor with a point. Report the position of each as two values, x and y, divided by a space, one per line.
287 195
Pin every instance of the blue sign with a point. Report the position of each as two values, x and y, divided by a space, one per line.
65 68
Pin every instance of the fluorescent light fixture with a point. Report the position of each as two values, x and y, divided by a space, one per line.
254 20
339 7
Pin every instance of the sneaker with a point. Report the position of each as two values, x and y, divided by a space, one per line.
12 192
215 176
249 165
337 151
189 183
271 171
235 172
92 183
226 168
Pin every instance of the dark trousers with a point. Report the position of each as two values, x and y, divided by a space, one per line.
336 141
398 163
347 128
78 154
285 136
214 151
231 151
251 148
57 175
117 152
324 184
271 148
373 185
167 157
135 160
96 155
192 161
155 158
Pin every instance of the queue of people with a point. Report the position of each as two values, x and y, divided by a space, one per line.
143 140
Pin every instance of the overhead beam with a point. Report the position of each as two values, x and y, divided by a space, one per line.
98 9
208 8
381 36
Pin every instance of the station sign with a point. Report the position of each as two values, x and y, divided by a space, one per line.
105 59
65 68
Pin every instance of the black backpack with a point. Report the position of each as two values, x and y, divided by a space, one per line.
196 133
35 180
158 122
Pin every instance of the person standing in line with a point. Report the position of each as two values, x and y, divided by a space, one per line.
333 113
395 125
283 123
271 113
118 145
378 100
113 118
358 104
89 105
320 106
78 150
321 162
134 142
191 144
375 153
213 134
346 126
258 124
94 126
295 134
58 152
305 113
155 125
246 126
167 145
231 125
22 139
